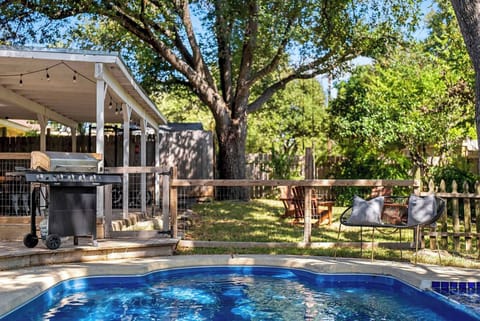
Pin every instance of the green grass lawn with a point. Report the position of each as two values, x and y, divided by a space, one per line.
261 221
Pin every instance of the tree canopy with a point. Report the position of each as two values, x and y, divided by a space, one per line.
233 55
411 104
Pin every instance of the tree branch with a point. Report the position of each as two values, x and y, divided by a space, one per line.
223 33
249 45
198 62
308 71
276 59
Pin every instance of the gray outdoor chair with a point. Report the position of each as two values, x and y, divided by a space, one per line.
398 213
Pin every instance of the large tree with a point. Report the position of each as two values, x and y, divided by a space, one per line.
234 55
468 17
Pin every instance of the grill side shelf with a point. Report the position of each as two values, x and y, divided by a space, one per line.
72 179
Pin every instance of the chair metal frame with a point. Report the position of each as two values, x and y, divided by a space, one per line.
440 207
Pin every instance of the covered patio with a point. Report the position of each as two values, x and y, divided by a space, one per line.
74 88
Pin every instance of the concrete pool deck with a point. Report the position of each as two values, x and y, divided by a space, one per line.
14 255
20 285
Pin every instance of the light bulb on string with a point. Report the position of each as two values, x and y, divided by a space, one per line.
47 74
21 80
74 76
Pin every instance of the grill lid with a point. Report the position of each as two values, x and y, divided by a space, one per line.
65 162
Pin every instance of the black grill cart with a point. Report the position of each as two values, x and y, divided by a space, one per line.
71 180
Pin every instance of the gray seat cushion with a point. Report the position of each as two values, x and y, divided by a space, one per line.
421 209
366 212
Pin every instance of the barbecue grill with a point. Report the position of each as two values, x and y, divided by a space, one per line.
72 180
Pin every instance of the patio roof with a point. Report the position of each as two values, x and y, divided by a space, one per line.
61 85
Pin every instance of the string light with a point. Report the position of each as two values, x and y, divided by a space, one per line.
46 70
76 74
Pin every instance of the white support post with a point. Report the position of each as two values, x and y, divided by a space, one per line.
100 133
42 121
73 133
143 163
127 111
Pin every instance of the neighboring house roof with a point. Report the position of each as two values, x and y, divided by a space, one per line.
18 125
470 144
173 127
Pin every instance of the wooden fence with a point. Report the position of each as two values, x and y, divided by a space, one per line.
309 185
458 228
259 166
461 221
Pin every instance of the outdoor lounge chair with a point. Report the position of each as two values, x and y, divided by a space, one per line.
317 207
398 213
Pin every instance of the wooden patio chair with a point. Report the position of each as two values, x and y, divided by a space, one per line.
286 196
317 207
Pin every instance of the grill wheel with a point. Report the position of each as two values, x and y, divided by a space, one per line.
53 241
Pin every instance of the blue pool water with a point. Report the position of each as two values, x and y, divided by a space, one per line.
238 293
463 292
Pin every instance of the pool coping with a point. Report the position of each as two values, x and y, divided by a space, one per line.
21 285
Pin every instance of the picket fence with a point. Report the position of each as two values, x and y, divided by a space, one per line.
460 223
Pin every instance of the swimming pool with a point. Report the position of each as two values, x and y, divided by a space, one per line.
238 293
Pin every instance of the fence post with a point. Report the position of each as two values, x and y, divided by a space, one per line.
309 163
307 220
173 205
443 218
467 218
456 218
165 203
433 229
477 215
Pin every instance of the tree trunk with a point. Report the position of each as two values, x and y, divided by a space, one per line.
468 17
231 162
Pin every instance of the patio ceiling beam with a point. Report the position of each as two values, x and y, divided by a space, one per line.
35 107
102 73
